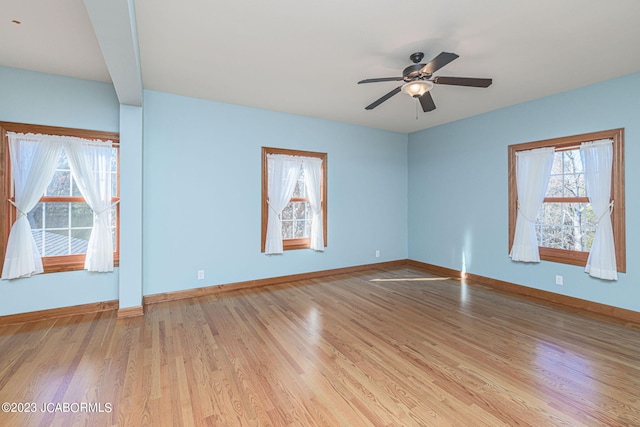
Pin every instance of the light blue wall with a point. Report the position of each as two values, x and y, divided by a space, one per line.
458 214
202 182
437 196
44 99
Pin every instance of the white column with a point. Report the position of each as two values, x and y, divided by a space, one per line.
130 280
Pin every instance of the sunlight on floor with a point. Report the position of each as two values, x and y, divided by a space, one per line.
463 293
315 324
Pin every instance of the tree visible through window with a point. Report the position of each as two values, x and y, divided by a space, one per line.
296 216
566 220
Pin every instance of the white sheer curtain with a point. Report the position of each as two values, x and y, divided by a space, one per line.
597 158
533 168
33 162
90 163
282 175
313 178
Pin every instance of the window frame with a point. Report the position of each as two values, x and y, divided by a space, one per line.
51 264
292 244
617 193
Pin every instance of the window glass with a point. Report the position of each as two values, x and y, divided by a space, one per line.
569 226
566 224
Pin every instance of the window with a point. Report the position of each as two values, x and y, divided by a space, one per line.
565 224
296 216
62 221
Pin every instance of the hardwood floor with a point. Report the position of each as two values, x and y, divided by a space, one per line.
382 347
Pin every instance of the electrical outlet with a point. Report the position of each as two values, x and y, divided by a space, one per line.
200 274
377 253
559 280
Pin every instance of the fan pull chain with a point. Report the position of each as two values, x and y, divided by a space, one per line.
416 108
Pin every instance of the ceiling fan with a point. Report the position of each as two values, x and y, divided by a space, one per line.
419 80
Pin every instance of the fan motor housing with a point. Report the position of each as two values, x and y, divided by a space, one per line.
413 71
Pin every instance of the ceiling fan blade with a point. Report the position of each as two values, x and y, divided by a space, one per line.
427 102
384 98
438 62
381 79
463 81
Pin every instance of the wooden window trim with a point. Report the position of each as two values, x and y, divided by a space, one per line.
617 193
292 244
54 263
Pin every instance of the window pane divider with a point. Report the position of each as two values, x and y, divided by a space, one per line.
566 200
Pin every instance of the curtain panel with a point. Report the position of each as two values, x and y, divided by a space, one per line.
90 165
313 179
33 163
597 158
282 175
533 169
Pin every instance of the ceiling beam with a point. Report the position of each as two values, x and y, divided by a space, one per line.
114 23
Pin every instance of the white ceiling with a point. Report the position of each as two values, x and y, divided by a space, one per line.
304 57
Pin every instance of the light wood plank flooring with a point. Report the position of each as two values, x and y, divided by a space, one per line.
377 348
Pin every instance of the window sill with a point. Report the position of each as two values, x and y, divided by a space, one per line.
58 264
292 244
564 256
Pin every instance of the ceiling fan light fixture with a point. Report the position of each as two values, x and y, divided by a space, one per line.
417 88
